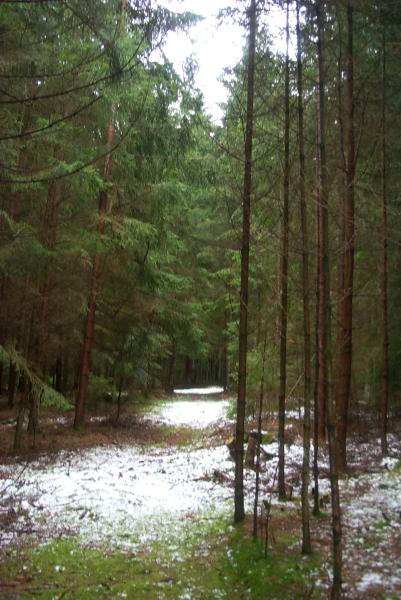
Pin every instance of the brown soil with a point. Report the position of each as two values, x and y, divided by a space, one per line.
56 432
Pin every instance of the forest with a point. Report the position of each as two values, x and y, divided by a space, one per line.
200 320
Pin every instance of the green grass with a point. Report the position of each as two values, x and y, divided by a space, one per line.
209 560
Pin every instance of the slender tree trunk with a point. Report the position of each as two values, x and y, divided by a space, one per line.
317 417
12 204
259 439
32 399
325 315
22 406
344 320
120 389
48 240
85 364
33 415
188 371
12 381
66 374
306 541
225 352
25 336
94 287
322 254
239 510
171 368
321 396
58 374
384 271
284 275
48 237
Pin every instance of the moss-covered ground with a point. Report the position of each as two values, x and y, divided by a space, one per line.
210 560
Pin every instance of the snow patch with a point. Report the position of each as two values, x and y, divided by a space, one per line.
200 391
370 579
192 413
104 490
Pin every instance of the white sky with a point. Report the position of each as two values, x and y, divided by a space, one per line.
213 47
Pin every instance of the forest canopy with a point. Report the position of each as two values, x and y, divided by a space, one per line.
144 247
121 202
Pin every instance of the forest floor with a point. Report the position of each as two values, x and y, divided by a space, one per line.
142 509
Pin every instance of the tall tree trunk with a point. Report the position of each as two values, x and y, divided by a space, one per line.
239 510
384 270
225 368
85 364
344 319
306 541
317 417
48 237
325 315
322 292
284 274
12 204
321 347
48 240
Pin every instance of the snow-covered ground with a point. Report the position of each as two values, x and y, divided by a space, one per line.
107 491
208 391
191 413
134 493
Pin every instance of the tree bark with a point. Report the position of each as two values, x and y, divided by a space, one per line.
239 509
317 417
306 539
284 274
85 364
12 204
384 271
344 319
48 241
325 315
323 292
